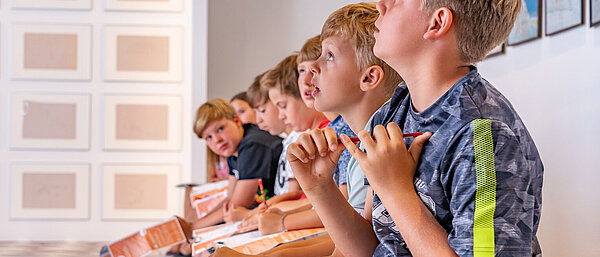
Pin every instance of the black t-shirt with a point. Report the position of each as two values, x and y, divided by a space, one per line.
258 156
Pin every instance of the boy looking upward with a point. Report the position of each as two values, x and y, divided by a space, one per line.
349 80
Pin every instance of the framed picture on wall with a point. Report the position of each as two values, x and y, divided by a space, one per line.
562 15
142 122
50 121
151 54
528 25
594 12
497 51
145 5
139 191
49 191
58 52
53 4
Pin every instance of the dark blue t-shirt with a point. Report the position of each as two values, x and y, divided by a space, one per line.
479 174
340 126
258 155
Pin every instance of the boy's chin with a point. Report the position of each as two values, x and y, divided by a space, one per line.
322 105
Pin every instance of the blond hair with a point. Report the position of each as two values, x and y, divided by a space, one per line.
284 76
480 25
356 23
212 110
256 94
311 50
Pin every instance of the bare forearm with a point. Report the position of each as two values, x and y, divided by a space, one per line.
316 246
422 233
211 219
302 220
352 234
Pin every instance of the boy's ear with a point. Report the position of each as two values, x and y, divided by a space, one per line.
440 23
237 120
371 78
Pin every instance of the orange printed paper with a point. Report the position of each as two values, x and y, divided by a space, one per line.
143 242
205 238
268 242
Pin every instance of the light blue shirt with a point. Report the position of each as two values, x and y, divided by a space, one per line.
357 190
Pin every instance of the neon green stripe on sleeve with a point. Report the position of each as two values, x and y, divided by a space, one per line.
485 196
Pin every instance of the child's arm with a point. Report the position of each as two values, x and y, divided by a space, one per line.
313 159
273 222
392 179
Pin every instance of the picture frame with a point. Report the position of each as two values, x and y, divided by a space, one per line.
140 191
498 50
51 52
528 25
144 6
143 54
53 4
50 121
49 191
562 15
594 12
146 122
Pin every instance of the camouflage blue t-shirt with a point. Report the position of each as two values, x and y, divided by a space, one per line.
479 174
340 126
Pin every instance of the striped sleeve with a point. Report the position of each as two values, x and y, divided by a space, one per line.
488 194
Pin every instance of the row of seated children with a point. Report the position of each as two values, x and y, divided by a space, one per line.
470 185
276 97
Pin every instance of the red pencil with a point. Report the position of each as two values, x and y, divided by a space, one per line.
356 139
262 192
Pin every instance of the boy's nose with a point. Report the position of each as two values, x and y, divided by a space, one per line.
314 69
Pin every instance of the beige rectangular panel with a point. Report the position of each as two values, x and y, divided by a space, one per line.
49 120
142 122
50 191
50 51
142 53
140 191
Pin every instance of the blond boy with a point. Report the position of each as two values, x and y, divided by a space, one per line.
349 80
251 154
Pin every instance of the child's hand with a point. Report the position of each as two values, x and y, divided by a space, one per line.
270 221
234 214
387 164
313 158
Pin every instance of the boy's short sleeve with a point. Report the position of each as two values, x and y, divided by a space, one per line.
490 185
254 161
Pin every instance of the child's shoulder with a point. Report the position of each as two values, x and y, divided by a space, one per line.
253 135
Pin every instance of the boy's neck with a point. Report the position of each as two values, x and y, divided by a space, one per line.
331 115
430 80
317 119
358 113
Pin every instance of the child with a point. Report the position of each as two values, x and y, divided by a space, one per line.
243 108
266 112
282 86
476 190
252 153
350 80
310 52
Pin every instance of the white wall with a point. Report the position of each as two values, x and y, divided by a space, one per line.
94 228
553 82
248 37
